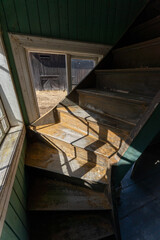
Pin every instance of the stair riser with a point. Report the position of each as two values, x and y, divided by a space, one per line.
78 152
147 30
144 54
118 108
140 82
101 132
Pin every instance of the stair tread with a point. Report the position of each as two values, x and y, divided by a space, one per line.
140 69
42 156
86 116
77 138
139 45
90 226
119 95
52 195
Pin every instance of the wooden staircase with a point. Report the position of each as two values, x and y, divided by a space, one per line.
71 158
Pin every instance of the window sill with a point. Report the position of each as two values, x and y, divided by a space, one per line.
10 151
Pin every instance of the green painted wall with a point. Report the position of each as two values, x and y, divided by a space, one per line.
16 225
98 21
137 147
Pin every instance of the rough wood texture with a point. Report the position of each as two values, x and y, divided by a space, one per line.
86 226
123 106
146 31
144 81
144 54
51 195
54 160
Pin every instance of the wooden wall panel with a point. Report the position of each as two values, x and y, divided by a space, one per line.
83 20
16 223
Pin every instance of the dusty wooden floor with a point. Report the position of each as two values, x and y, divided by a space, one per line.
49 99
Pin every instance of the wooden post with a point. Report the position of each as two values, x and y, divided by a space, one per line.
68 73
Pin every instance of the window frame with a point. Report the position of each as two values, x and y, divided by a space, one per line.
22 45
12 143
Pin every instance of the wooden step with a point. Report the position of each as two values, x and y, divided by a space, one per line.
51 195
146 31
107 129
69 226
41 156
144 54
145 81
77 144
123 106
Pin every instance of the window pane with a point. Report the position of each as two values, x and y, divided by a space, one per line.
49 72
80 68
4 124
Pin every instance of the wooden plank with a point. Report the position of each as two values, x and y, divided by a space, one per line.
19 192
22 16
104 20
56 161
141 81
15 223
97 11
33 15
72 19
90 226
63 18
19 209
43 9
144 54
54 18
126 107
10 13
111 19
89 22
7 233
55 195
145 31
81 19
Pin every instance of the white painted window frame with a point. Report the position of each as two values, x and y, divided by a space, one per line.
22 45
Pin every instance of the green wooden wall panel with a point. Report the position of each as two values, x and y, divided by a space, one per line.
19 209
82 20
10 13
72 19
34 19
54 18
43 9
8 234
22 16
97 10
89 17
16 224
104 20
63 18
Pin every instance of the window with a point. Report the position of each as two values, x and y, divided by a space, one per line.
23 46
50 76
4 124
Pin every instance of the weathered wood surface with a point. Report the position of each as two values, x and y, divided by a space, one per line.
145 31
51 195
144 81
123 106
86 226
143 54
54 160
